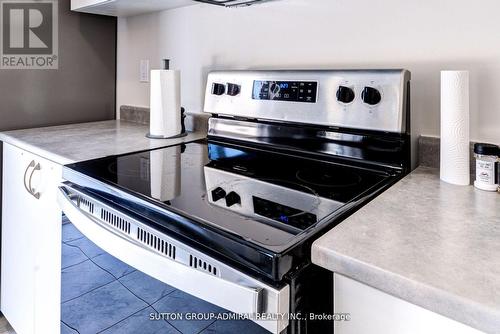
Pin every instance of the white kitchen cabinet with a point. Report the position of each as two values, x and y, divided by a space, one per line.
31 242
126 7
375 312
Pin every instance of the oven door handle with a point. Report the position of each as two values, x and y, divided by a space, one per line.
227 294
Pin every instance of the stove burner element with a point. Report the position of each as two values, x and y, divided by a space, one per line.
337 179
132 171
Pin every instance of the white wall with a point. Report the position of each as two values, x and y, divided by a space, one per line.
423 36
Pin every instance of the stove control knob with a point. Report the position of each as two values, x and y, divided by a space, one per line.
218 193
232 198
345 94
233 89
218 89
371 96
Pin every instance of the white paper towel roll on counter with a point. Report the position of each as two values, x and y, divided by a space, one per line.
455 141
165 104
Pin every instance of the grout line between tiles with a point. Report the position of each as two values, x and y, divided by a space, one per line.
67 243
116 323
62 268
168 322
148 304
83 294
90 259
213 322
118 280
76 330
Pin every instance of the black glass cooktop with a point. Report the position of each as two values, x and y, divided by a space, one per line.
264 197
255 209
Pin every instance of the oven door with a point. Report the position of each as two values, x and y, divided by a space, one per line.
173 262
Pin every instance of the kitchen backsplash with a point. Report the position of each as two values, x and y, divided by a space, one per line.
429 153
428 150
194 121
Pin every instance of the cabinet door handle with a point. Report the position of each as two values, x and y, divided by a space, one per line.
32 190
32 164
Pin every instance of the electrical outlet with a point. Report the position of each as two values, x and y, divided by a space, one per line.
144 71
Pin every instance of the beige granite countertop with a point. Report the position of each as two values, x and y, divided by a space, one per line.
430 243
84 141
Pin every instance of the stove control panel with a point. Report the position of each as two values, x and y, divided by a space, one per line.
291 91
283 214
356 99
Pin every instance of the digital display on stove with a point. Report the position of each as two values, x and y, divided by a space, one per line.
283 214
293 91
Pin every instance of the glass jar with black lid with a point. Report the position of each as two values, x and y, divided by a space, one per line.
486 166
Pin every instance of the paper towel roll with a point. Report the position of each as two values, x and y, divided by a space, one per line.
165 104
455 142
165 173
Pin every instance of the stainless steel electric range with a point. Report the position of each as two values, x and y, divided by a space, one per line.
231 218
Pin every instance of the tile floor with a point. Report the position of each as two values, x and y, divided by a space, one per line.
101 294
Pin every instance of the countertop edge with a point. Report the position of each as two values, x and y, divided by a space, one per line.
10 137
436 300
34 149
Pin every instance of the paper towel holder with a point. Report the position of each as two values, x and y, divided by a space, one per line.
166 133
180 135
166 64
